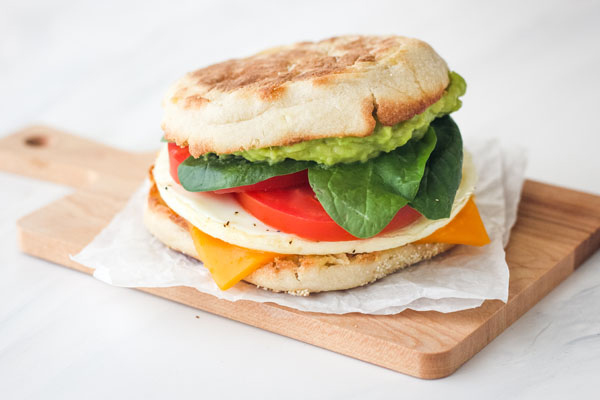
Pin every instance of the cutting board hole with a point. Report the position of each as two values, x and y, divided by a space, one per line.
36 141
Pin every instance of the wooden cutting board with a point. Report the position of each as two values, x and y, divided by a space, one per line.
557 229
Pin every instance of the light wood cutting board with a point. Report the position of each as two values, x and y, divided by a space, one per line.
557 229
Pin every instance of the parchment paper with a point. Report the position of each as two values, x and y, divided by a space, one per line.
125 254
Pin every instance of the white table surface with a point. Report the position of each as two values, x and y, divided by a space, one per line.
100 69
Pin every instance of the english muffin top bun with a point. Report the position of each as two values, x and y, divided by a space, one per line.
333 88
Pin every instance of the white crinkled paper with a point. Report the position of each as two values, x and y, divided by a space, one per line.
126 254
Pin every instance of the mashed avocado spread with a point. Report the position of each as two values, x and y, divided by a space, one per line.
329 151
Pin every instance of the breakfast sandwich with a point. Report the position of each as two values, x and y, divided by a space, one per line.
317 166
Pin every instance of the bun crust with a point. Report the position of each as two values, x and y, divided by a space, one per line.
296 274
309 90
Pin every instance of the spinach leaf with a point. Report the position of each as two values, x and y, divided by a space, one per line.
364 197
443 172
211 172
355 197
403 168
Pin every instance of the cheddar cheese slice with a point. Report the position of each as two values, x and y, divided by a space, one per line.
228 264
466 228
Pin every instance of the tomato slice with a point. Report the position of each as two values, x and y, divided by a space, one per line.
177 155
297 210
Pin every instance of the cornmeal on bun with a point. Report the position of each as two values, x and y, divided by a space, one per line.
316 166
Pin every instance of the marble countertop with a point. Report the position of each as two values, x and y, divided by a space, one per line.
99 69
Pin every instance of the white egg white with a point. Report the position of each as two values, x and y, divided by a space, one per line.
222 217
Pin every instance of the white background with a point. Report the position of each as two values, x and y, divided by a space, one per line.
99 69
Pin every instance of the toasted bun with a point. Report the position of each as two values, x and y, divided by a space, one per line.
332 88
299 274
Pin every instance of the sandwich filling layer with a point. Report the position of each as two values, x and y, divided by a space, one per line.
222 217
362 198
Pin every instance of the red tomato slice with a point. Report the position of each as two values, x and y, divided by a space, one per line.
178 154
297 210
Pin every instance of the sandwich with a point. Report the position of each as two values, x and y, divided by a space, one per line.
316 166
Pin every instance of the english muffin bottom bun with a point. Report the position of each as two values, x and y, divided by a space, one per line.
315 166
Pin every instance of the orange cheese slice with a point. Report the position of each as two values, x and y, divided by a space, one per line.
228 264
466 228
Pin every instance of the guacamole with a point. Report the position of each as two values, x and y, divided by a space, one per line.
331 151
